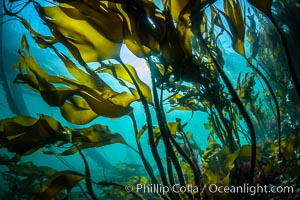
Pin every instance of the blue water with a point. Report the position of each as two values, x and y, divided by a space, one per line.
30 103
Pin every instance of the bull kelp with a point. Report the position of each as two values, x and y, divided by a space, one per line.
223 72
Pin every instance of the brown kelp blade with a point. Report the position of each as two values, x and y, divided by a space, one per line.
93 136
78 35
99 97
58 182
264 6
119 72
235 19
24 135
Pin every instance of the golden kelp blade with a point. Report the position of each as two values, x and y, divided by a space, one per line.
156 134
119 72
24 43
173 127
25 135
76 109
90 43
102 17
15 125
175 7
218 161
107 103
94 136
87 81
181 11
142 27
100 99
58 182
235 20
80 75
185 34
140 133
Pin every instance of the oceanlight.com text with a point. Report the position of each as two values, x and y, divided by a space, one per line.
250 189
211 188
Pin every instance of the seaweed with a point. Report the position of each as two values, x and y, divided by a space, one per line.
252 108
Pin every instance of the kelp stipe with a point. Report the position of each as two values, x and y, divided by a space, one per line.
266 8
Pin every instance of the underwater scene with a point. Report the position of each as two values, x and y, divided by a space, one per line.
150 99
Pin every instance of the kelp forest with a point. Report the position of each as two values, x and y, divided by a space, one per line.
251 107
